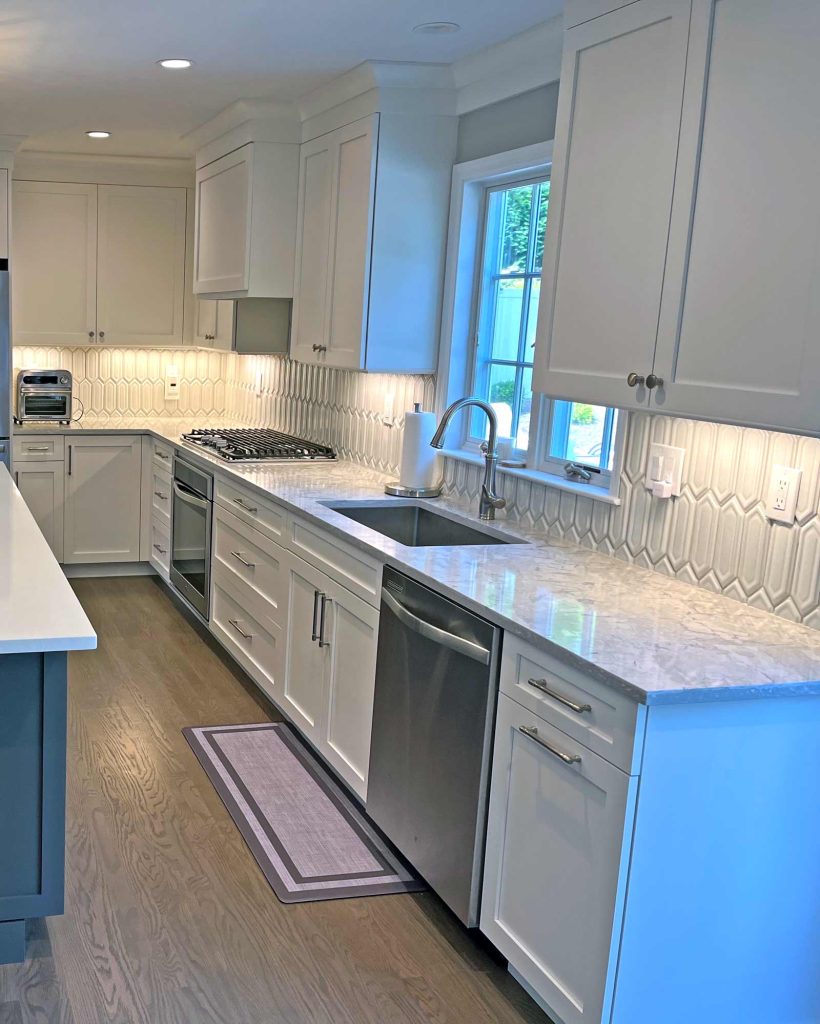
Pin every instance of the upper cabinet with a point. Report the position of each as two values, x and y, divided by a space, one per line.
668 257
246 222
4 213
370 250
98 263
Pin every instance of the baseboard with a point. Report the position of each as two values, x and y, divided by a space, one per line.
99 569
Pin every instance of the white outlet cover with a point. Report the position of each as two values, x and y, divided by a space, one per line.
664 470
784 490
171 382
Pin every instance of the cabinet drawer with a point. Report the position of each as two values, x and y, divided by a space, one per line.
255 640
161 496
45 448
250 508
160 555
350 567
243 553
163 455
597 715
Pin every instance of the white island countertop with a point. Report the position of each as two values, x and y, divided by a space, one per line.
39 611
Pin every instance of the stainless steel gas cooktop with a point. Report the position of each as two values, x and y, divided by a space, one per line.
255 445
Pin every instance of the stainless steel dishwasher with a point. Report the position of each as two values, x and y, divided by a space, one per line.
436 690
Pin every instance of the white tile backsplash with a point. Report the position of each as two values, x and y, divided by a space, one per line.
715 535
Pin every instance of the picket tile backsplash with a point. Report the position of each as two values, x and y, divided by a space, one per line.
715 535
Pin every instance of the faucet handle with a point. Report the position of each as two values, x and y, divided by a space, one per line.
493 499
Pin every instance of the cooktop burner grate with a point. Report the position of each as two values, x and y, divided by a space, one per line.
253 445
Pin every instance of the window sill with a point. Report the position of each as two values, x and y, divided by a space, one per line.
546 479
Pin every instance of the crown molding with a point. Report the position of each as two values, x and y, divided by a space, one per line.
517 65
380 75
247 121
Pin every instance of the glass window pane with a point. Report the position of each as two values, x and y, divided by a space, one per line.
541 227
532 318
515 209
504 309
522 432
581 433
500 394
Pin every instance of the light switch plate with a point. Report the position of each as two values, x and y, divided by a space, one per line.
664 470
171 382
784 489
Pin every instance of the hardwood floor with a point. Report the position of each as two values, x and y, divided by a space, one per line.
168 918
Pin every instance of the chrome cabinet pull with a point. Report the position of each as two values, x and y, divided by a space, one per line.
238 556
159 494
163 456
653 381
69 460
314 633
162 551
325 602
319 348
635 380
532 732
240 630
37 448
541 684
243 504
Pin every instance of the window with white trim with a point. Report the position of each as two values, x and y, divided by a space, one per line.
492 297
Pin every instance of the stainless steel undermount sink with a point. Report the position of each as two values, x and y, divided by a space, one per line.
416 526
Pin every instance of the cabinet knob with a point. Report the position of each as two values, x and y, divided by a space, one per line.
91 334
654 382
102 334
634 380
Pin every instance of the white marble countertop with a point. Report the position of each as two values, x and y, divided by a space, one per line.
658 639
38 609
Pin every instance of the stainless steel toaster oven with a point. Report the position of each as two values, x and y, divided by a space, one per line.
43 395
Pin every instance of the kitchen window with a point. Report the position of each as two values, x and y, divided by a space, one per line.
495 257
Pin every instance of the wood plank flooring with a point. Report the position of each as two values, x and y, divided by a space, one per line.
168 918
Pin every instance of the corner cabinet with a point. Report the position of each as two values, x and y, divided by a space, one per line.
98 264
246 222
661 260
370 249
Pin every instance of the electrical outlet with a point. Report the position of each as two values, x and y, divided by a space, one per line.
784 489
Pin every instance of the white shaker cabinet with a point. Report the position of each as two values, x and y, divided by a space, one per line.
370 248
246 222
141 276
556 862
102 498
54 256
740 320
213 327
42 486
302 696
613 174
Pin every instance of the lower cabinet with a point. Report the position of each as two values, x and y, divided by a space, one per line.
102 498
42 486
559 823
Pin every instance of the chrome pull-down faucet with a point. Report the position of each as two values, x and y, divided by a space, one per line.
489 501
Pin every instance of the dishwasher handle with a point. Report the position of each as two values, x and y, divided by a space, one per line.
434 633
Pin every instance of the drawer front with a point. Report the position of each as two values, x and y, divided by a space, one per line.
255 641
245 554
160 556
163 456
46 448
266 516
161 496
343 563
595 714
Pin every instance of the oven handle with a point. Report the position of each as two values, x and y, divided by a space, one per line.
431 632
190 497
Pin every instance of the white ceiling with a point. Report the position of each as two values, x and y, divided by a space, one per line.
71 65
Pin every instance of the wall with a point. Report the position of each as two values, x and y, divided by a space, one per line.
519 121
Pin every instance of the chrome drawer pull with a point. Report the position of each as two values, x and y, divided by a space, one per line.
238 556
314 633
162 551
532 732
243 504
541 684
163 456
240 630
325 601
159 494
38 448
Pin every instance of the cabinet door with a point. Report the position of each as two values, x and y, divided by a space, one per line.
615 153
303 696
556 862
141 265
223 227
41 484
312 250
4 213
102 499
351 203
351 629
205 326
741 313
54 281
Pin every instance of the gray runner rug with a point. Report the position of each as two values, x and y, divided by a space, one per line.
307 835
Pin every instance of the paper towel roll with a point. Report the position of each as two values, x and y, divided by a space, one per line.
419 462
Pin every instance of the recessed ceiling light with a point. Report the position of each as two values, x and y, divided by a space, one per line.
175 63
96 134
437 28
